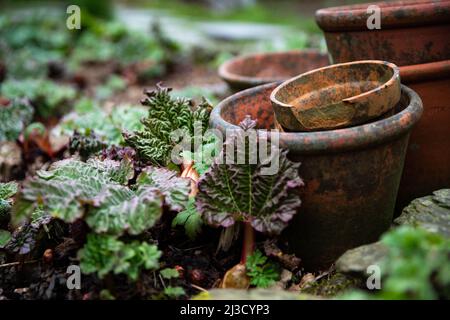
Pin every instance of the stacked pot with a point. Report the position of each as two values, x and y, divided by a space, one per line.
351 174
349 124
415 35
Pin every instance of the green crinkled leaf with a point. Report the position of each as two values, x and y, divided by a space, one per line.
14 118
8 190
25 47
107 126
243 192
95 190
103 254
174 188
68 186
121 209
45 95
166 116
190 219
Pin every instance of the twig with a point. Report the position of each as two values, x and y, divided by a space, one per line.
198 288
162 281
16 263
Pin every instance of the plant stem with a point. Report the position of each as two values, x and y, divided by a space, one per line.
248 244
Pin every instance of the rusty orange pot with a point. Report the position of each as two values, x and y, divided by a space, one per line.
255 69
412 32
414 35
351 175
337 96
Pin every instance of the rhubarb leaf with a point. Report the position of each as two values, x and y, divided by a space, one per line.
230 192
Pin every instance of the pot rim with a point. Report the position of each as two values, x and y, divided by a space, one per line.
392 80
425 71
394 14
338 140
235 78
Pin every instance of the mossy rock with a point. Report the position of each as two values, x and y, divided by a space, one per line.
431 213
357 260
333 285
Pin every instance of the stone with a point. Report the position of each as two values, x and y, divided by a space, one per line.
357 260
332 285
431 213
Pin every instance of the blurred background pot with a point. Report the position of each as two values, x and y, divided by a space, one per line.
255 69
352 175
414 35
337 96
411 32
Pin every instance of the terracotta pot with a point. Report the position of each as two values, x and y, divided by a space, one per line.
415 36
427 164
351 175
252 70
412 32
337 96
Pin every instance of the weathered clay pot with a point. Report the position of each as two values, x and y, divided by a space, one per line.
427 164
337 96
255 69
415 36
351 175
411 32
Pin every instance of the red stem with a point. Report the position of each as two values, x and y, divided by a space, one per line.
248 245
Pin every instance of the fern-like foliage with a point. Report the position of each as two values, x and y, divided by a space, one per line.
262 272
103 254
86 144
166 115
14 118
